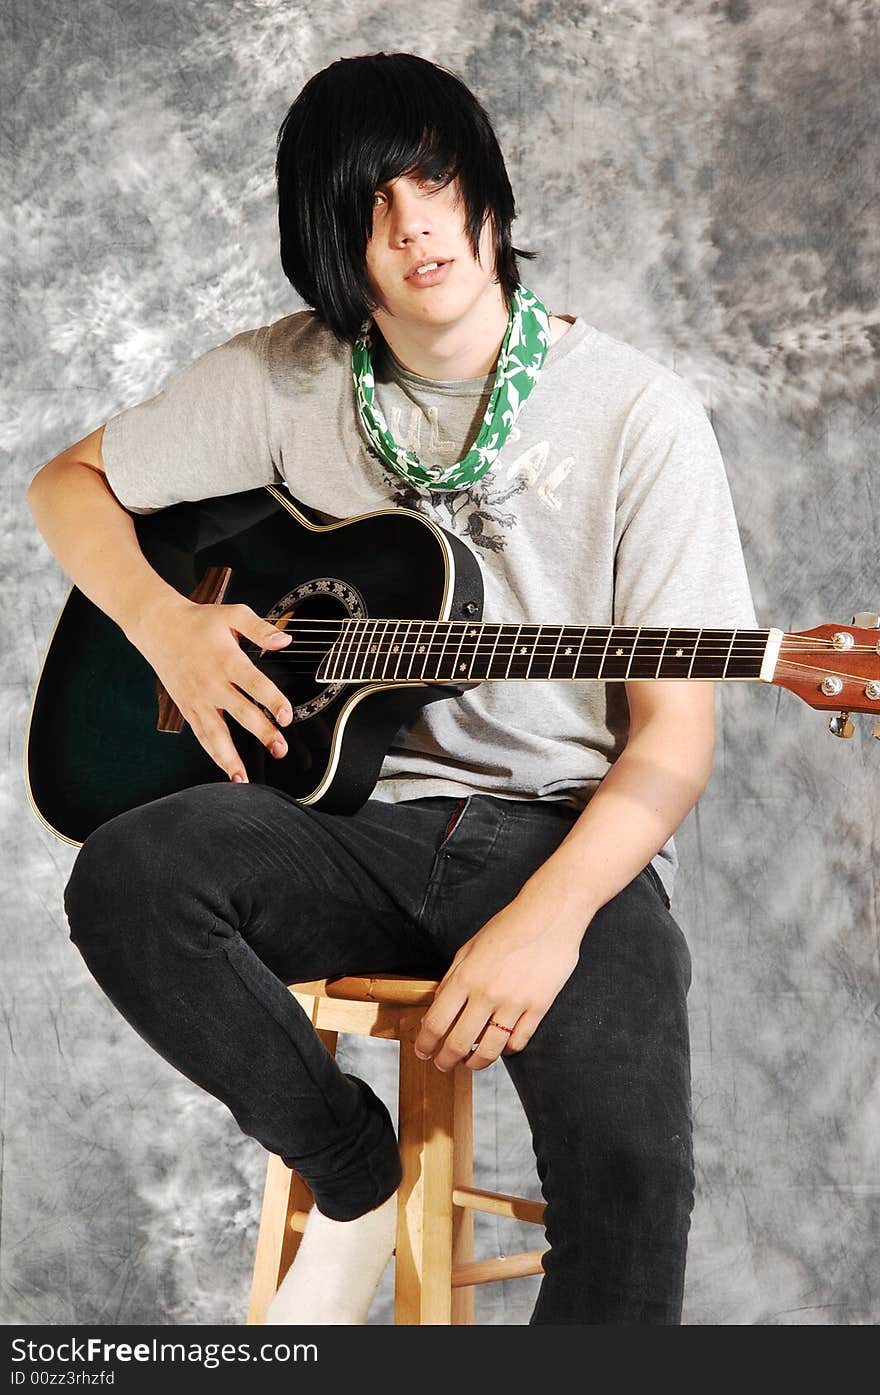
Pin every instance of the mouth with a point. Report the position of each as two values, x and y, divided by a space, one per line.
428 272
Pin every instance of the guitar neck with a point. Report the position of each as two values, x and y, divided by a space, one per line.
451 651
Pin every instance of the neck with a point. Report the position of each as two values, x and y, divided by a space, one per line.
467 347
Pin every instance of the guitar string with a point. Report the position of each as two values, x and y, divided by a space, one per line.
331 624
786 666
541 652
649 633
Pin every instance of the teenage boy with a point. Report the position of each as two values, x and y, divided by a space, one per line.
518 844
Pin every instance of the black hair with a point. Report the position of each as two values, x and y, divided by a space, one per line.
363 122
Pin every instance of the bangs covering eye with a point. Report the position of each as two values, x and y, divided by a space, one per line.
359 124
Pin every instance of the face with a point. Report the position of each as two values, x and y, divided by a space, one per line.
417 221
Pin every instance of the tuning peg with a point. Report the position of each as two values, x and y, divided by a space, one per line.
867 620
842 725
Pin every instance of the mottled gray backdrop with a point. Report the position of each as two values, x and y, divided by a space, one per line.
700 179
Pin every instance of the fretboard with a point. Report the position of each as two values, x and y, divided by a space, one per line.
452 651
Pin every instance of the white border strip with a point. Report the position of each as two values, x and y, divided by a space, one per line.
771 655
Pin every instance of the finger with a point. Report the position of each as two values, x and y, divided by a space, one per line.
251 679
523 1031
212 734
494 1038
463 1036
257 686
436 1022
254 719
247 622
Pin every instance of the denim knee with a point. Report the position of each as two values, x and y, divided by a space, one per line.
136 876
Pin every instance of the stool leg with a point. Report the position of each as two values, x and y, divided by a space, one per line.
277 1243
463 1176
423 1266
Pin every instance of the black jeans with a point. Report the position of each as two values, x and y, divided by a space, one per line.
195 911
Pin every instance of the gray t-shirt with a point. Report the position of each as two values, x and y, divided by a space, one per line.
608 504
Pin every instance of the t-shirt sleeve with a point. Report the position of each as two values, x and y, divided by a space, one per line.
204 434
678 555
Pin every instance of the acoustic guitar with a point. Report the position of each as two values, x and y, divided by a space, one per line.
385 610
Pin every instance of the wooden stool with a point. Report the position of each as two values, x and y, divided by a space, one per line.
434 1265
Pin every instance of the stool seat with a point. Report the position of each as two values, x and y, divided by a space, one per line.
434 1266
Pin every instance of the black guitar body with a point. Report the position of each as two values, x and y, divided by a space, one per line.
93 749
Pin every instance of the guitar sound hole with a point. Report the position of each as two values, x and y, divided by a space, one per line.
312 612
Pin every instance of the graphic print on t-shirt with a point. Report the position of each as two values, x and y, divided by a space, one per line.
478 513
470 512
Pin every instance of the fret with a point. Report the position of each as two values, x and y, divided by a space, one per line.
576 671
326 670
388 648
694 655
618 652
443 646
746 654
632 655
484 651
465 663
337 653
454 671
415 649
712 654
426 644
523 651
369 645
593 651
399 645
498 658
536 649
541 660
678 654
349 649
565 655
512 649
604 654
662 652
375 646
648 653
555 652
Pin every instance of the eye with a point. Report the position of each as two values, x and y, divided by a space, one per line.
378 195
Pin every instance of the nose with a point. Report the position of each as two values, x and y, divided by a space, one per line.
410 219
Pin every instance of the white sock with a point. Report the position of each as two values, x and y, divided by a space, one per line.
337 1268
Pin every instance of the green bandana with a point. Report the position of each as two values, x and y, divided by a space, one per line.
519 363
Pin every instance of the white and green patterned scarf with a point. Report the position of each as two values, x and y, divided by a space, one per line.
519 363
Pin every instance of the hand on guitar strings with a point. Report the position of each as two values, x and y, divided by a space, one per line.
194 650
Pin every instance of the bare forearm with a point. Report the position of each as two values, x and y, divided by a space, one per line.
652 786
94 539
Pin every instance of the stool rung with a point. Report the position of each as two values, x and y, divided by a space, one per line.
499 1204
485 1271
396 991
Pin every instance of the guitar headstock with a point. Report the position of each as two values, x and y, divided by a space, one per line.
835 667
